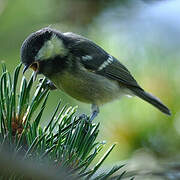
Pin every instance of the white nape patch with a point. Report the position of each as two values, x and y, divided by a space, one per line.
106 63
51 48
87 58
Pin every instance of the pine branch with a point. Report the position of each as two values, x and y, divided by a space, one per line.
67 142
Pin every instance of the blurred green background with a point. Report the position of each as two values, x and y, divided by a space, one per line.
143 35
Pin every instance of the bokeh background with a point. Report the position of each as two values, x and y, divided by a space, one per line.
143 35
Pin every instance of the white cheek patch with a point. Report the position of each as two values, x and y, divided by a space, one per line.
52 48
106 63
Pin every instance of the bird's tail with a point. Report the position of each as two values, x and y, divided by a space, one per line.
152 100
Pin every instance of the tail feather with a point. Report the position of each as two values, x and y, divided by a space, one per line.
152 100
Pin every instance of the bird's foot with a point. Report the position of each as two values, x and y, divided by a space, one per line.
48 84
87 122
84 116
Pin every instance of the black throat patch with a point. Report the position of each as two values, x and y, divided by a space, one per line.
53 65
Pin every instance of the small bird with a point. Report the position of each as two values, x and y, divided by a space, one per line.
81 68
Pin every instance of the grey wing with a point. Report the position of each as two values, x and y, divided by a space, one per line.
95 59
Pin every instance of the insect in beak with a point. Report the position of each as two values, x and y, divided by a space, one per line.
35 67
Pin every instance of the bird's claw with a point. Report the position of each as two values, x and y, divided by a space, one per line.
87 122
47 85
84 116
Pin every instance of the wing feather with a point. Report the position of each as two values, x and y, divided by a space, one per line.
119 72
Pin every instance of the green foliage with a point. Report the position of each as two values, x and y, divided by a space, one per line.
67 141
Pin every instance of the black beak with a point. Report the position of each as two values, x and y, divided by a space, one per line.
25 68
34 66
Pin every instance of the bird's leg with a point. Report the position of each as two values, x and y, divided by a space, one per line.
95 112
48 84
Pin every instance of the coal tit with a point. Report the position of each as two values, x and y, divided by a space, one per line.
82 69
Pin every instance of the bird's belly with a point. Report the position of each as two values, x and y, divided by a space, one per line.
88 88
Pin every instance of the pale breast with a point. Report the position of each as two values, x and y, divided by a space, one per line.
88 87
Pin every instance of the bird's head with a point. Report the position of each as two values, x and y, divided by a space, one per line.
42 47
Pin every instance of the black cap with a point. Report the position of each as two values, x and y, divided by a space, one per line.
33 44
